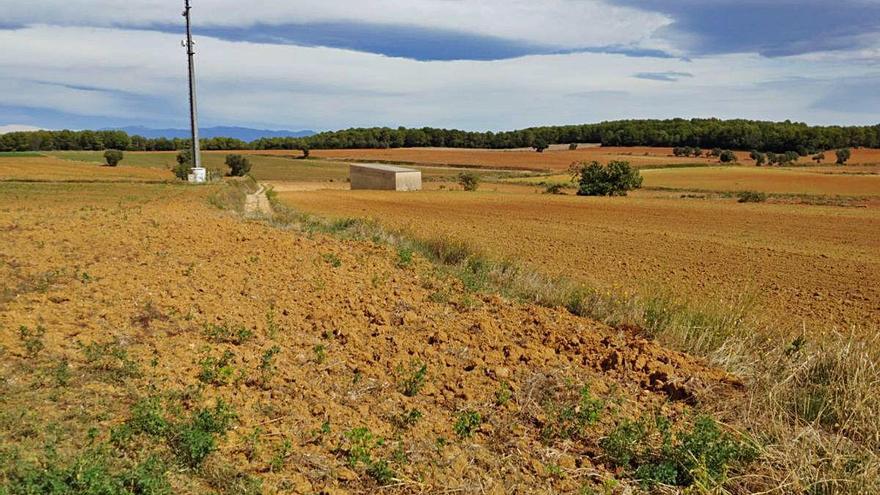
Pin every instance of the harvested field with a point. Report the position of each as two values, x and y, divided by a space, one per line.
550 160
801 180
146 333
54 169
816 266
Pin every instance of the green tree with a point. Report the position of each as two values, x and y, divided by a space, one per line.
469 181
239 166
184 164
113 157
727 156
540 145
843 155
614 179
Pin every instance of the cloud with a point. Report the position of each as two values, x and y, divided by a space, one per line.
4 129
560 24
773 28
668 76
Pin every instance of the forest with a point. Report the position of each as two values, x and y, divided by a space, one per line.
761 136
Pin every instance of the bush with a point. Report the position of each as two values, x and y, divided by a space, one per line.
751 197
113 157
614 179
239 166
555 189
843 155
184 164
469 181
572 146
727 156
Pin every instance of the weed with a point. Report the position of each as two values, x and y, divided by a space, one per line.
267 366
252 444
271 324
320 353
413 378
567 419
280 457
194 440
358 451
112 358
652 453
147 417
32 340
217 371
466 423
407 419
503 394
404 256
751 197
555 189
469 181
61 373
228 334
332 259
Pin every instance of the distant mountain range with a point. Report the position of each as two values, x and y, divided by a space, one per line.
243 133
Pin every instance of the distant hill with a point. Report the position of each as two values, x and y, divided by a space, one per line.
243 133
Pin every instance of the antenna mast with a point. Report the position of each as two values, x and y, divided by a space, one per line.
198 172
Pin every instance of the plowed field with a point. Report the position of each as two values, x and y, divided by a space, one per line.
146 333
811 265
550 160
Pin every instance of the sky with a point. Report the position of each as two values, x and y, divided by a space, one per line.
467 64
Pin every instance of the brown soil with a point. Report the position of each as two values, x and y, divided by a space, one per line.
808 265
148 266
550 160
56 169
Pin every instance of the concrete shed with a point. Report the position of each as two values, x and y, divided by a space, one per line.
385 177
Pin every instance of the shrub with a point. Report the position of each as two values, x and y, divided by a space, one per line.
194 440
184 164
614 179
572 146
541 144
555 189
113 157
727 156
751 197
819 157
843 155
239 166
469 181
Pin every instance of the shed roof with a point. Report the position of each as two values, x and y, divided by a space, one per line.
383 167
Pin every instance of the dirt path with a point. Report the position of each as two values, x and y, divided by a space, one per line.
257 204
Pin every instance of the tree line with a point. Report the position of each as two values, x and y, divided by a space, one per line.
777 137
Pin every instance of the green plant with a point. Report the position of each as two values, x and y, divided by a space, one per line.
413 378
192 441
469 181
404 256
61 373
407 419
503 394
227 333
267 366
113 157
751 197
111 358
466 423
320 353
359 450
614 179
568 417
184 164
555 189
239 166
843 155
217 371
280 457
332 259
33 340
727 156
147 417
655 454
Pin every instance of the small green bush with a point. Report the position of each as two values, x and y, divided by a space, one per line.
555 189
466 423
469 181
33 340
239 166
843 155
751 197
113 157
413 378
566 419
217 371
227 333
193 440
614 179
727 156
